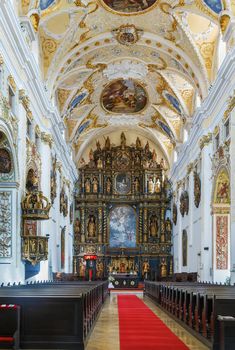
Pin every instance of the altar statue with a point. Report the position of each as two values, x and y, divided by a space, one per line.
157 187
91 155
99 163
95 185
146 148
153 227
108 185
138 143
82 268
137 185
77 228
88 186
145 269
150 185
123 140
107 144
163 268
98 148
91 226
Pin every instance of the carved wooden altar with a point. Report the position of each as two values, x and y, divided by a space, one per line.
121 203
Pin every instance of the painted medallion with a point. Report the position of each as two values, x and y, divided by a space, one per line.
129 6
124 96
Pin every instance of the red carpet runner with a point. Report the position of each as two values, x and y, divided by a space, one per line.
141 329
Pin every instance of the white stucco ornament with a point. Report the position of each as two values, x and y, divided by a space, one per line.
126 69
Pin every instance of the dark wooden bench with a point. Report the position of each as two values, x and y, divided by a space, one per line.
9 326
196 305
56 315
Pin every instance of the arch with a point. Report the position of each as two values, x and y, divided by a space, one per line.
7 158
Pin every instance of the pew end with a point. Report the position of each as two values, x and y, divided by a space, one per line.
10 326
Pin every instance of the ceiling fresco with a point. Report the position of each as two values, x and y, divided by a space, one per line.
138 64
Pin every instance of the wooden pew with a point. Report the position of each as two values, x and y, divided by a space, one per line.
56 316
196 305
9 326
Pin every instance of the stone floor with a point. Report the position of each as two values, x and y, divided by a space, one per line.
105 335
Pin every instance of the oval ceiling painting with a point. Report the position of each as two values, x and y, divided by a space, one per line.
129 6
124 96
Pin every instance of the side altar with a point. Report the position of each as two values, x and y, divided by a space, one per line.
122 210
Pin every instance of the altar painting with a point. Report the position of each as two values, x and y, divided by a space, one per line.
122 227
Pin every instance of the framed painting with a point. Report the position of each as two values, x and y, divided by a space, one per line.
122 227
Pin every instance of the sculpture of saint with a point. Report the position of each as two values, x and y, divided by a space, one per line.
137 185
99 269
98 147
99 163
108 185
168 228
77 227
88 185
150 185
107 144
91 155
123 140
146 148
157 187
153 227
82 268
163 268
91 226
95 185
145 269
138 143
154 156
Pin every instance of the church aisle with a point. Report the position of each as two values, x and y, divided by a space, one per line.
105 335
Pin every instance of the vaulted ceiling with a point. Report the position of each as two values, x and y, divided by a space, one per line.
136 65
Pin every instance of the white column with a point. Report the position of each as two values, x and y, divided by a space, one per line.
206 221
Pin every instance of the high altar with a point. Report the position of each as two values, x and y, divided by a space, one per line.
121 219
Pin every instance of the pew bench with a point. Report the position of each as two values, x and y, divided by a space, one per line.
9 326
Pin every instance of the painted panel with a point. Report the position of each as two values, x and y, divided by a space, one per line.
123 227
5 224
129 6
44 4
124 96
214 5
222 242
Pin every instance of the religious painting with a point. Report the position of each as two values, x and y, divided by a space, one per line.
197 189
174 216
165 128
122 229
124 96
30 228
222 242
127 34
214 5
222 188
78 99
129 6
184 248
123 183
173 101
5 161
44 4
184 203
123 160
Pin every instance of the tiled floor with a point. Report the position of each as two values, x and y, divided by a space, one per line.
105 335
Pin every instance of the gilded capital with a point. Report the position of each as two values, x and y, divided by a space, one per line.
47 138
11 81
205 140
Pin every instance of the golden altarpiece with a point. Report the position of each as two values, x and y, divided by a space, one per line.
121 219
